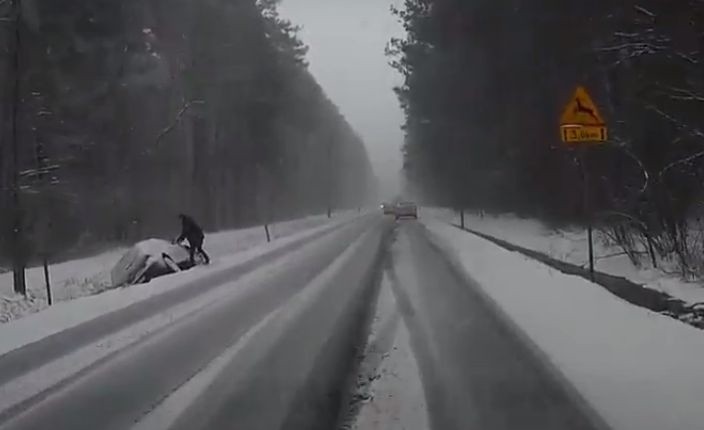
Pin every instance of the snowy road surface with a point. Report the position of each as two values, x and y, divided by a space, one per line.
364 326
477 372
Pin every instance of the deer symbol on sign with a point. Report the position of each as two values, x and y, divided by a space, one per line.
580 108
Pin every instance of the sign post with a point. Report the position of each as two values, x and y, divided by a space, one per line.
587 211
581 124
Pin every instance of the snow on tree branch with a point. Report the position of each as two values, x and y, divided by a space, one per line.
644 11
676 163
683 94
177 119
694 132
646 176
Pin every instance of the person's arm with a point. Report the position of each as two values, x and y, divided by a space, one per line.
182 236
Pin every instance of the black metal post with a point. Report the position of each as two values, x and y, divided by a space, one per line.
330 180
46 280
587 212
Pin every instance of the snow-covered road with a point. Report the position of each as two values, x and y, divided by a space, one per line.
478 373
369 324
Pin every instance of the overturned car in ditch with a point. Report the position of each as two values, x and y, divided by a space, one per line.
149 259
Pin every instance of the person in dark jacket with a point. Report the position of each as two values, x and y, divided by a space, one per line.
192 232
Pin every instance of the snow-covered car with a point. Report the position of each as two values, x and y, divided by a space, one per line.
406 210
149 259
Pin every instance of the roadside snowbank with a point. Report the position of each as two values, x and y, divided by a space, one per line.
638 369
570 245
90 276
73 312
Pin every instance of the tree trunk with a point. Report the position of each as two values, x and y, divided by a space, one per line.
18 257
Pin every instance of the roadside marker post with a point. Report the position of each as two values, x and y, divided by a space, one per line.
581 125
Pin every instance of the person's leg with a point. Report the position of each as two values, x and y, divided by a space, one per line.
192 253
198 247
204 254
201 251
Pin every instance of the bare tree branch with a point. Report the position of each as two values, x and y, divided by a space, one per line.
644 11
38 172
640 46
648 43
629 217
679 162
683 94
695 132
177 119
646 176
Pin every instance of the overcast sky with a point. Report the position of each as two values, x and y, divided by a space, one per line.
347 40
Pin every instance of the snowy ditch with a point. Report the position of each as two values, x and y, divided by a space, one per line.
73 313
565 250
636 294
638 369
90 276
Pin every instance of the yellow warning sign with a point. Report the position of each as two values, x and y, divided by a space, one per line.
581 120
581 110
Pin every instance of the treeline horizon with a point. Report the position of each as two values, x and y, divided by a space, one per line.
130 112
486 81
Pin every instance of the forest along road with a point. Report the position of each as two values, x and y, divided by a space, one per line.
277 348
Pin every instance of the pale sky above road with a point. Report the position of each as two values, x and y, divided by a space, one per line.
347 40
